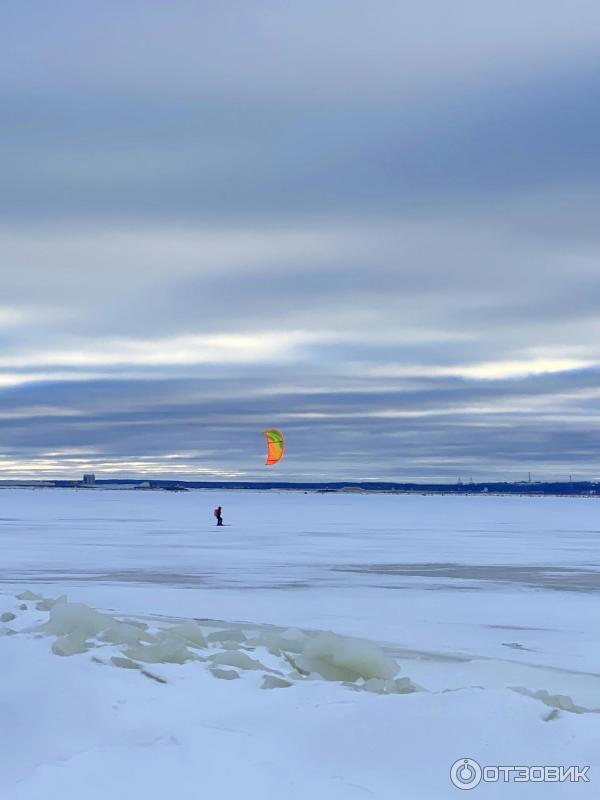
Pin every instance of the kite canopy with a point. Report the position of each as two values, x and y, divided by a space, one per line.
275 445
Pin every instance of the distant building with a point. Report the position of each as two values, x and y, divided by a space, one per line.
89 480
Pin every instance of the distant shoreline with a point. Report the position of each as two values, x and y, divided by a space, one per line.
528 489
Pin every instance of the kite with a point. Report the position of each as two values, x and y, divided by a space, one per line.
275 445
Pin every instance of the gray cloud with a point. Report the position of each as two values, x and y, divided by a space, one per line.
445 427
213 157
374 226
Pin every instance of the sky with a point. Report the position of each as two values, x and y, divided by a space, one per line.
373 225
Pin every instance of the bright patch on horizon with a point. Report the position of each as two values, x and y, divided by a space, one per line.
516 369
235 348
488 370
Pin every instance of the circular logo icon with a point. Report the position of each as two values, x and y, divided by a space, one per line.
465 773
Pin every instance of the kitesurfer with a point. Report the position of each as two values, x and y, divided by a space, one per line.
218 515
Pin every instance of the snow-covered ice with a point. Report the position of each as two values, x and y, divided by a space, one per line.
321 645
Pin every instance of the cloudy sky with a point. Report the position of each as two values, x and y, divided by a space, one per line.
372 224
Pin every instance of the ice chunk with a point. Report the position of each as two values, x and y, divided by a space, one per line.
124 633
224 674
294 675
29 596
391 686
322 667
188 632
296 668
551 715
137 624
237 659
406 686
68 618
7 617
49 602
7 632
341 658
70 645
231 635
171 651
273 682
291 641
560 701
124 663
153 676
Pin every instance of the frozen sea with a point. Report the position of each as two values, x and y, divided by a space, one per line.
489 605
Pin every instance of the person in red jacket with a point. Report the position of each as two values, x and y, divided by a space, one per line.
218 515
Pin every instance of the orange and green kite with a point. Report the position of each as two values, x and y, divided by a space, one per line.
275 445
